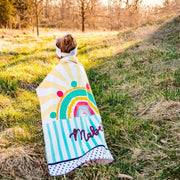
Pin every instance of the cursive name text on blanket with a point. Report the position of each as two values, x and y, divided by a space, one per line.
93 132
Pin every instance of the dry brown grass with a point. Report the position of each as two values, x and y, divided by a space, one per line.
145 143
163 110
22 163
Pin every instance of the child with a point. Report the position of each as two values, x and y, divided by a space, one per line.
72 125
65 44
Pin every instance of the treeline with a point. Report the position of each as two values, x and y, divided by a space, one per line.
79 14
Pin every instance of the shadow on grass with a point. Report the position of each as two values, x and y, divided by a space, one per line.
136 144
15 53
49 50
83 50
26 60
33 85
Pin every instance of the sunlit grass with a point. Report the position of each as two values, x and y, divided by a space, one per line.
136 86
20 58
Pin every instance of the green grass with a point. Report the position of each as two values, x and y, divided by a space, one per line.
136 84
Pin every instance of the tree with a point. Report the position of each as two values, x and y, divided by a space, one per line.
166 3
86 8
67 12
7 11
83 4
23 9
36 5
37 15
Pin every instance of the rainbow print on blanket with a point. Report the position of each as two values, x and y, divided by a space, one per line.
72 126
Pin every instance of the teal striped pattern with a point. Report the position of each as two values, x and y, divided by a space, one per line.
61 147
64 138
51 144
88 119
101 135
82 126
58 140
73 141
79 137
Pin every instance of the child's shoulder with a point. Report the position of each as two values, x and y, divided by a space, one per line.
70 60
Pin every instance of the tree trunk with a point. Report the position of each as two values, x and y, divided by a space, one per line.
19 22
127 4
37 17
83 15
83 29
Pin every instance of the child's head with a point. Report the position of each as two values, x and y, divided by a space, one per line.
67 43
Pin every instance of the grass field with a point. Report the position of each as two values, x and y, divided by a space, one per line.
135 78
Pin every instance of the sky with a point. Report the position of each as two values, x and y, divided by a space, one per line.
145 2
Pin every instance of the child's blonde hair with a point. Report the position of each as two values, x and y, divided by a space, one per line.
67 43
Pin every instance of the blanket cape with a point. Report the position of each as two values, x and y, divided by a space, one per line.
72 126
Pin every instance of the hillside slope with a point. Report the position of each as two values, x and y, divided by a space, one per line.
135 77
138 92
